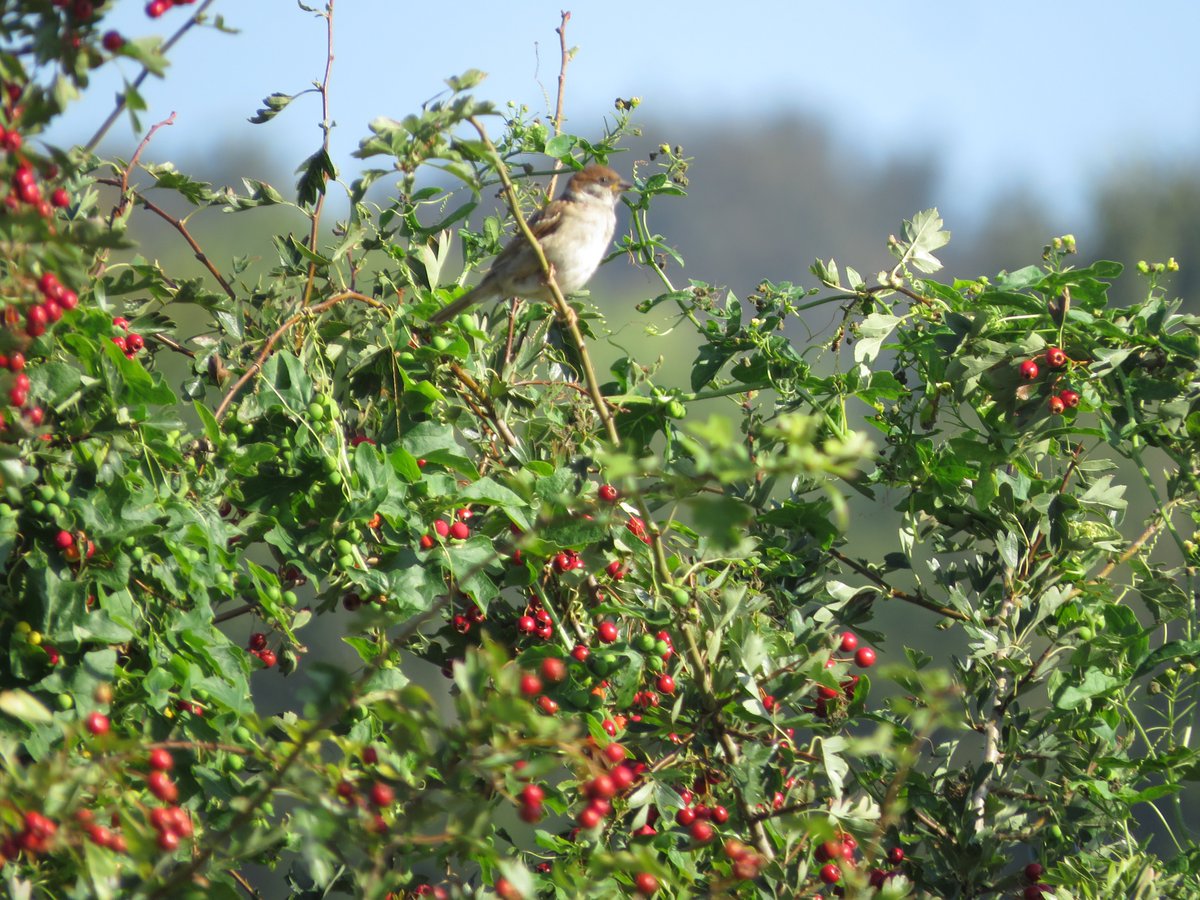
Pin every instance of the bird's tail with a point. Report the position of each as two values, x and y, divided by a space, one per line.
470 298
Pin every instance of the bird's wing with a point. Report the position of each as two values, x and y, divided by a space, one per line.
541 223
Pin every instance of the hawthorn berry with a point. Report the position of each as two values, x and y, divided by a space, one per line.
532 795
607 632
581 652
701 832
1056 405
531 685
1029 370
601 787
685 817
381 794
97 723
720 815
426 542
155 8
268 658
864 658
162 787
64 539
1055 358
616 570
113 41
460 531
622 777
554 669
831 874
614 753
1033 872
848 641
590 817
548 705
896 856
1069 398
645 883
442 527
607 493
666 684
161 759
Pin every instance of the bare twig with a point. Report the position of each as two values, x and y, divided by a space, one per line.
181 227
122 100
561 31
915 599
326 127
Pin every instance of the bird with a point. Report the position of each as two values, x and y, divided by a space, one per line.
574 231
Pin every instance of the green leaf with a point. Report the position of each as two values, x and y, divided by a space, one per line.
23 706
273 105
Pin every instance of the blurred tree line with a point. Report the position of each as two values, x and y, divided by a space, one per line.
797 193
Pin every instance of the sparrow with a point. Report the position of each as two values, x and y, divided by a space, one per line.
575 231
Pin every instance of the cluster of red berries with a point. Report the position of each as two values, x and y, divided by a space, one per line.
567 560
463 623
34 838
457 530
379 797
535 620
1056 360
56 300
257 645
69 544
838 853
18 393
1035 889
25 187
131 343
156 8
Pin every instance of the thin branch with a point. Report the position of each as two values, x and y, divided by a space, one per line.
179 226
280 331
326 126
122 99
915 599
561 31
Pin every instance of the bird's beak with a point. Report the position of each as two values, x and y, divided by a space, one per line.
623 186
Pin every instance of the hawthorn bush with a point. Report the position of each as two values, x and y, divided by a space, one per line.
655 624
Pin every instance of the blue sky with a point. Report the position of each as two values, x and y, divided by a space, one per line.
1023 95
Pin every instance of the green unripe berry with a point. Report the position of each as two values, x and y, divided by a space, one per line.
680 597
316 412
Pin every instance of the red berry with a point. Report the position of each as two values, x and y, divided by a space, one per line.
168 841
526 624
1069 398
701 832
426 542
622 777
257 641
1034 872
161 759
554 669
268 658
828 850
64 539
590 817
581 652
531 685
864 658
134 342
1056 405
616 570
849 641
720 815
156 8
382 795
601 787
1029 370
460 531
831 874
60 198
548 705
614 753
1036 891
121 322
161 786
666 684
896 856
1055 358
97 723
607 630
370 755
112 41
607 493
442 527
532 795
645 883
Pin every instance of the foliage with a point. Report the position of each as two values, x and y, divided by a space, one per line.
672 626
